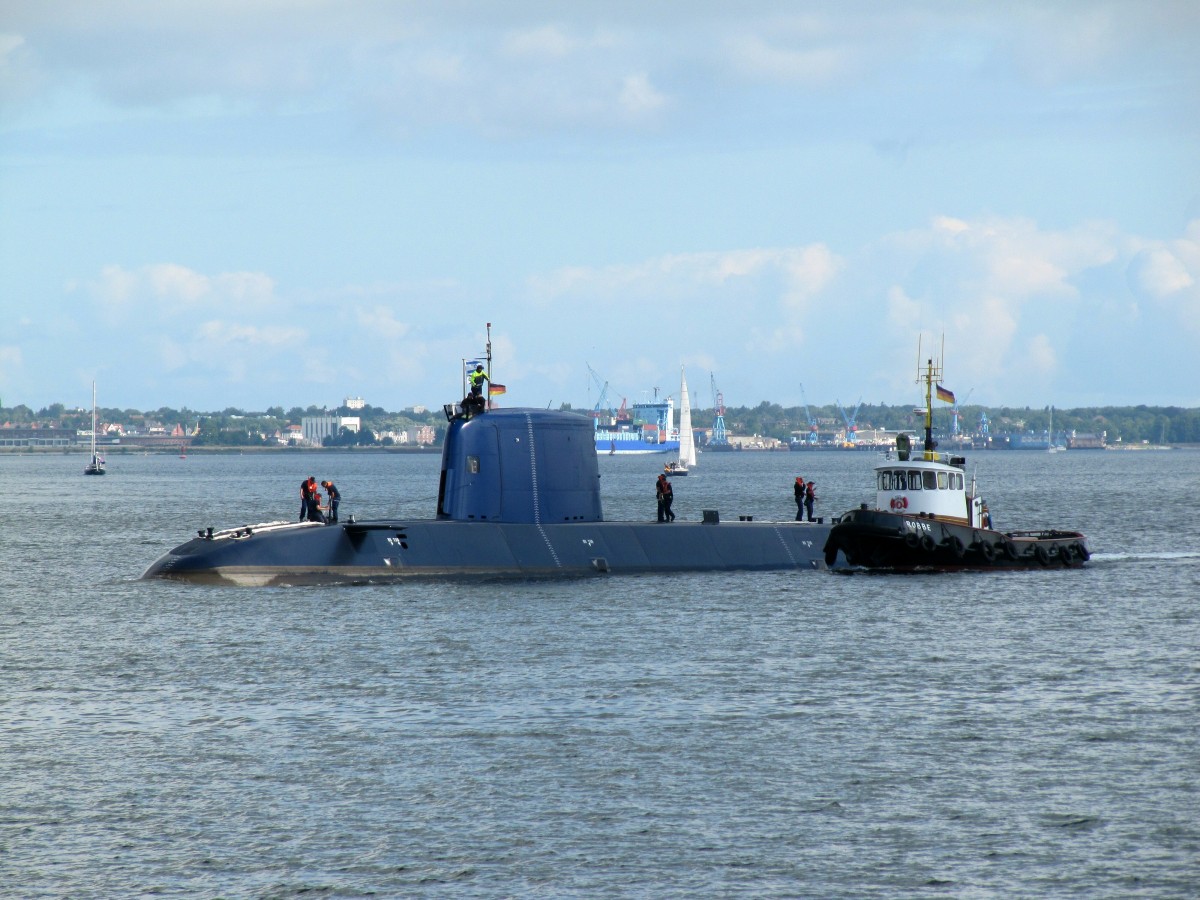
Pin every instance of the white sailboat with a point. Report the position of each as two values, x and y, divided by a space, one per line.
1051 446
96 466
687 442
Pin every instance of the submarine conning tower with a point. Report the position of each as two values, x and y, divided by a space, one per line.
527 466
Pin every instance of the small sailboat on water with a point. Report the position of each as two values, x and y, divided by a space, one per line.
1052 446
96 466
687 441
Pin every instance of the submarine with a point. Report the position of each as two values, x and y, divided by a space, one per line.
519 498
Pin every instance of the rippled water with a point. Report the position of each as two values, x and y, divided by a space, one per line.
816 735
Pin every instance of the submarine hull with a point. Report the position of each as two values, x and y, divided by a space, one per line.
392 550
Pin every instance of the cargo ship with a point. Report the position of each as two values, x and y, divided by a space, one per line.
647 428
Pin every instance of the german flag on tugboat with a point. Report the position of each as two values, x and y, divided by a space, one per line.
945 395
495 390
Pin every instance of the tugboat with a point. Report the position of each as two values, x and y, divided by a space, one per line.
927 517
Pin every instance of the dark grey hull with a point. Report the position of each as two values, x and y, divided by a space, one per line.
391 550
876 539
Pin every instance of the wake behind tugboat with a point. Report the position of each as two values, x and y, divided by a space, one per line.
926 517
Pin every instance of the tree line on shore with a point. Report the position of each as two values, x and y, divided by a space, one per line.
234 427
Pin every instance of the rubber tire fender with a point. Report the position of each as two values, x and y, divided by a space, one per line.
987 551
1042 554
927 543
912 540
954 542
1011 551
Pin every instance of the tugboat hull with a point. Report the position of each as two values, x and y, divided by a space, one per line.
878 539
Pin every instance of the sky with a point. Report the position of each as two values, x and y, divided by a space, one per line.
255 203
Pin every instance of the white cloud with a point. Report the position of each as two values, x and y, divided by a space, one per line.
1160 273
9 43
639 97
518 68
756 56
1039 356
1167 273
174 283
215 336
162 290
796 274
1009 297
381 322
548 41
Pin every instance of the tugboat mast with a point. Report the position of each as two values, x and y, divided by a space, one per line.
930 375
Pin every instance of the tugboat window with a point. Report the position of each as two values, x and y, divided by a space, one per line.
473 464
885 481
931 481
942 481
914 481
901 481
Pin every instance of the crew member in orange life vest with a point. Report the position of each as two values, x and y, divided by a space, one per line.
666 497
307 487
809 497
310 498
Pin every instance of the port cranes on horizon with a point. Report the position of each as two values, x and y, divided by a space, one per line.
601 410
851 427
812 423
719 438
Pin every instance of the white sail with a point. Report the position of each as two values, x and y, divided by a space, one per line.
687 444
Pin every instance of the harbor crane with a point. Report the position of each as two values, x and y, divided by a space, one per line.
600 410
719 438
851 427
812 423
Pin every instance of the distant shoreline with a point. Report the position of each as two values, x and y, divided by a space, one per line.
133 450
226 450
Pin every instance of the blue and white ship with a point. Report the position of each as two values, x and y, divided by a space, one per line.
649 428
